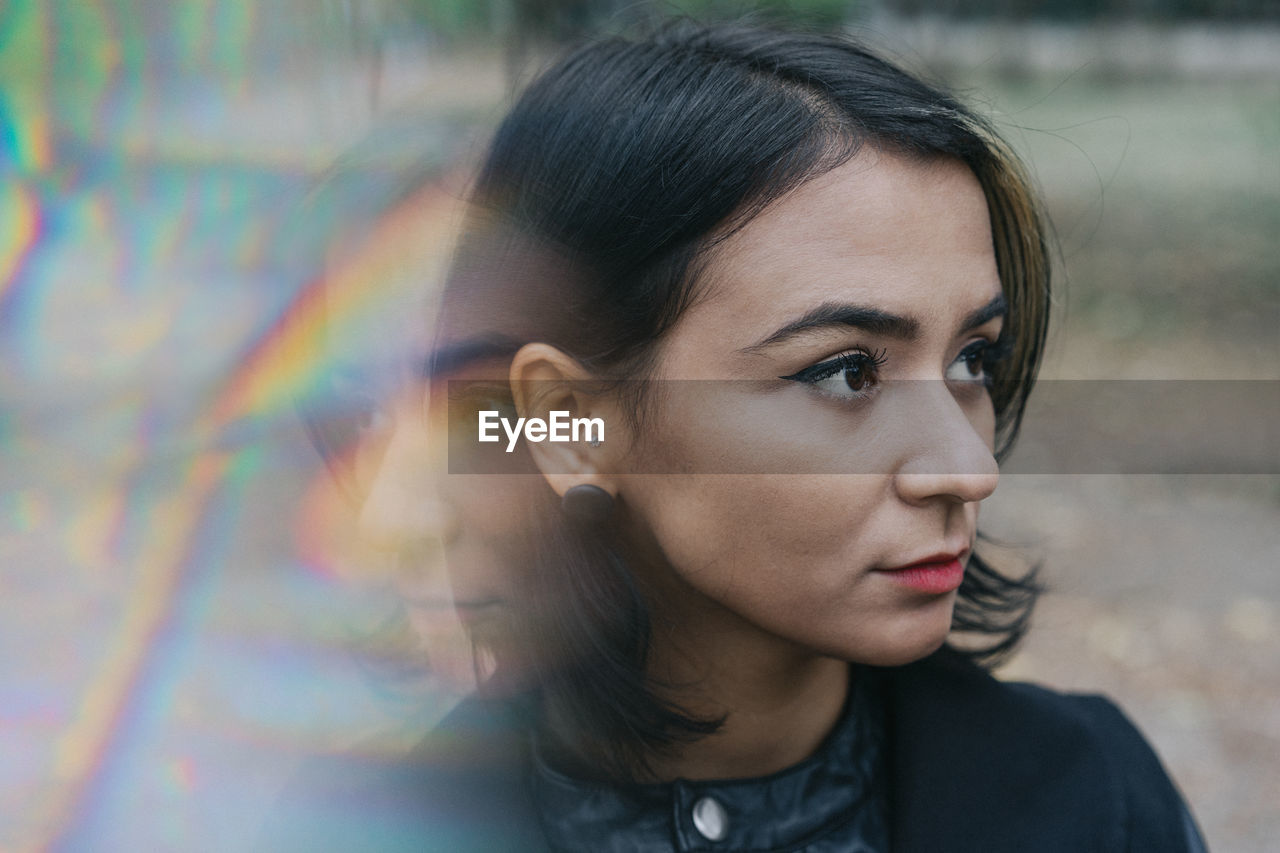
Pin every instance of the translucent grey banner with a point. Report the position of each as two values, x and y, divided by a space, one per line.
1229 427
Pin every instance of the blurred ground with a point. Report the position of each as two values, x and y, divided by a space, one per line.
167 651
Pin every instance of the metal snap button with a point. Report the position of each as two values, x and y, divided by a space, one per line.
709 818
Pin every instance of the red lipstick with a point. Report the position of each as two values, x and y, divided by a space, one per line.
936 574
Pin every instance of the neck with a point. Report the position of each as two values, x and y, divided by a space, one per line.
777 710
777 700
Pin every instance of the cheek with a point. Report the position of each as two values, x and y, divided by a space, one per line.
790 557
491 527
735 499
744 427
764 538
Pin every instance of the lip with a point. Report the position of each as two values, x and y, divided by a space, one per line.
936 574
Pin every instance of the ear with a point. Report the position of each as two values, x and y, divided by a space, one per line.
551 386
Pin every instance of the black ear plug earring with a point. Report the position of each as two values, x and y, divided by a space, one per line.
586 503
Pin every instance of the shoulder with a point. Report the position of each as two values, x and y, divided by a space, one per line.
459 789
1018 766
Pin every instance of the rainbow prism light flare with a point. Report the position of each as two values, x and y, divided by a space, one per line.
154 342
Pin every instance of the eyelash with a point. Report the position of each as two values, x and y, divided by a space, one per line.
988 354
864 362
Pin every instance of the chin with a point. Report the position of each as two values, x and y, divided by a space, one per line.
903 643
901 655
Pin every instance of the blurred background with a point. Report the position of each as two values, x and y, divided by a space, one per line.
211 211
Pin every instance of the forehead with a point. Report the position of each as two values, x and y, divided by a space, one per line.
904 235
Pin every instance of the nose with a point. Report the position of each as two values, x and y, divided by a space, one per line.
949 455
402 506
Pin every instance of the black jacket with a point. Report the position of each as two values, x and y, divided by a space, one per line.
975 765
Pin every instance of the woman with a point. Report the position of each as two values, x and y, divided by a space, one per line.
804 297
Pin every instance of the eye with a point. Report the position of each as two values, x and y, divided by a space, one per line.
976 360
348 417
848 375
363 403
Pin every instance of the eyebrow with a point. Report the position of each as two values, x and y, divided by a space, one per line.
871 320
997 307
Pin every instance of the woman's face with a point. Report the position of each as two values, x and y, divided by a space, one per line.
819 419
457 539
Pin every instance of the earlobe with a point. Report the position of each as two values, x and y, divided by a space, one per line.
551 389
587 503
